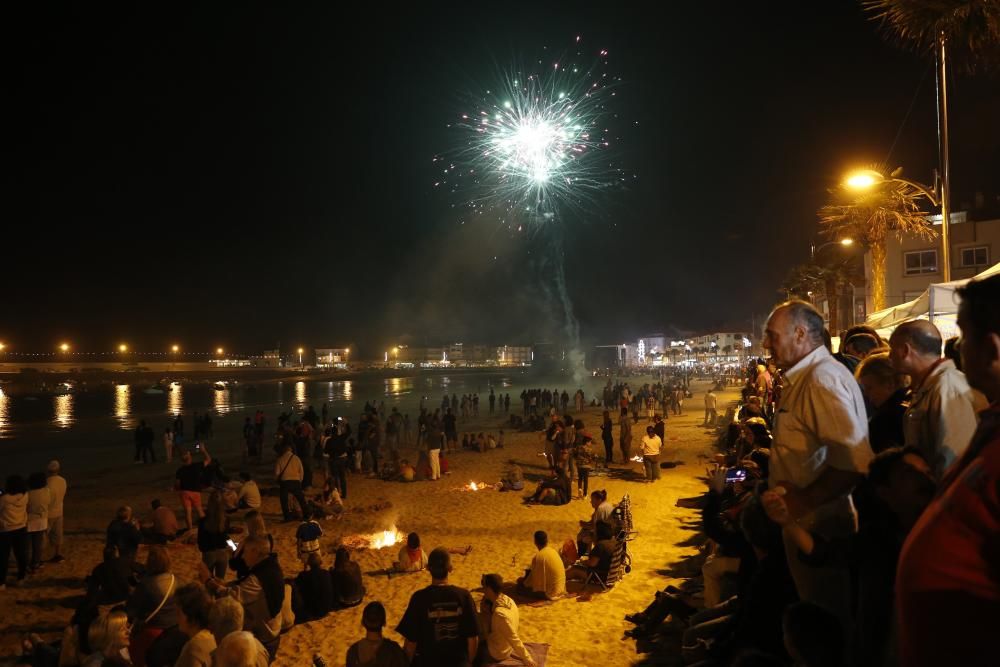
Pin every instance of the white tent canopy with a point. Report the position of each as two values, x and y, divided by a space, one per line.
936 304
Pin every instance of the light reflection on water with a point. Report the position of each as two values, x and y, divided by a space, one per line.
122 412
175 398
64 410
3 411
104 408
220 400
300 394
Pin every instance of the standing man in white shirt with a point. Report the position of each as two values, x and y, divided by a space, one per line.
820 450
942 414
57 489
711 402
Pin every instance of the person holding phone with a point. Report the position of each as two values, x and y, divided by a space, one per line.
213 536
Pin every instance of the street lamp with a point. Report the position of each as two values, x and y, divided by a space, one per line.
219 351
300 357
864 179
64 347
123 348
175 348
813 249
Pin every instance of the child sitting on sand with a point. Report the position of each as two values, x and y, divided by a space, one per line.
412 557
512 478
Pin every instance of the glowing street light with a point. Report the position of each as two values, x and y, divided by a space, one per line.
219 351
300 357
864 179
2 347
846 242
175 348
64 347
123 348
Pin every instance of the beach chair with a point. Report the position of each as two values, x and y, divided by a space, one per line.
621 563
623 519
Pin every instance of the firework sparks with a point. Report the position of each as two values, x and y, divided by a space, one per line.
533 145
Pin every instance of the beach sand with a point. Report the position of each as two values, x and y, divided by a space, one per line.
584 630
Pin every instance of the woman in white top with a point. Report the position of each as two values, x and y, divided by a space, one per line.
39 499
13 527
651 445
168 443
603 513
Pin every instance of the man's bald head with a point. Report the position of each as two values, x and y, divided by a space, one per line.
921 335
794 329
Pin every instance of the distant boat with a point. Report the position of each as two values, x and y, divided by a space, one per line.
156 389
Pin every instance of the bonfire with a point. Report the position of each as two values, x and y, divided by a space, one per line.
477 486
377 540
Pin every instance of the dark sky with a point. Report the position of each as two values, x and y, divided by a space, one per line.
241 176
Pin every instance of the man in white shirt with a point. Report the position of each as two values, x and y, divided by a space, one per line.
711 416
942 414
57 491
499 621
820 450
289 472
651 446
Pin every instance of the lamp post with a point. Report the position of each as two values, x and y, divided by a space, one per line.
300 358
174 349
813 249
936 194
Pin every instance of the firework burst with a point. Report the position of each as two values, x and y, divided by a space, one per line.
534 144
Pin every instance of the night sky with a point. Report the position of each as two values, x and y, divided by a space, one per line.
243 176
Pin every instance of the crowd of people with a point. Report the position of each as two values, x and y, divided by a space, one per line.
854 511
852 514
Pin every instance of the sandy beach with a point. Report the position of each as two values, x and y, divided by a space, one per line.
585 630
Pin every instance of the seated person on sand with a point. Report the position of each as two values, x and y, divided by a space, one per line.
512 478
412 557
407 473
242 494
163 527
603 512
498 622
554 491
546 578
327 503
599 559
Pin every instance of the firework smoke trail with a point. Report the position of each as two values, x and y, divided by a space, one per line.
533 155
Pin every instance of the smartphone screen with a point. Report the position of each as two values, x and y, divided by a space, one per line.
734 475
232 545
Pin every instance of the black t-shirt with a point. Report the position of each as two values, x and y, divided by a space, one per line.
440 619
189 476
603 551
449 424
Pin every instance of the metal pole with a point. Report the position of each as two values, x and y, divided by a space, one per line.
942 99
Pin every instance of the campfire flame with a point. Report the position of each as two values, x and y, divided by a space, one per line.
473 487
476 486
386 538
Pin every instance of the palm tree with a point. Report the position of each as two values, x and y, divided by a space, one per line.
869 217
807 280
969 28
966 32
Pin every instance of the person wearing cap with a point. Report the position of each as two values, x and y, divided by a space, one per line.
440 623
57 489
375 650
499 618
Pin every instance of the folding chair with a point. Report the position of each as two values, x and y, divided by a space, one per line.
621 563
623 519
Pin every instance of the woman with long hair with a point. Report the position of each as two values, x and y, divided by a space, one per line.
213 536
